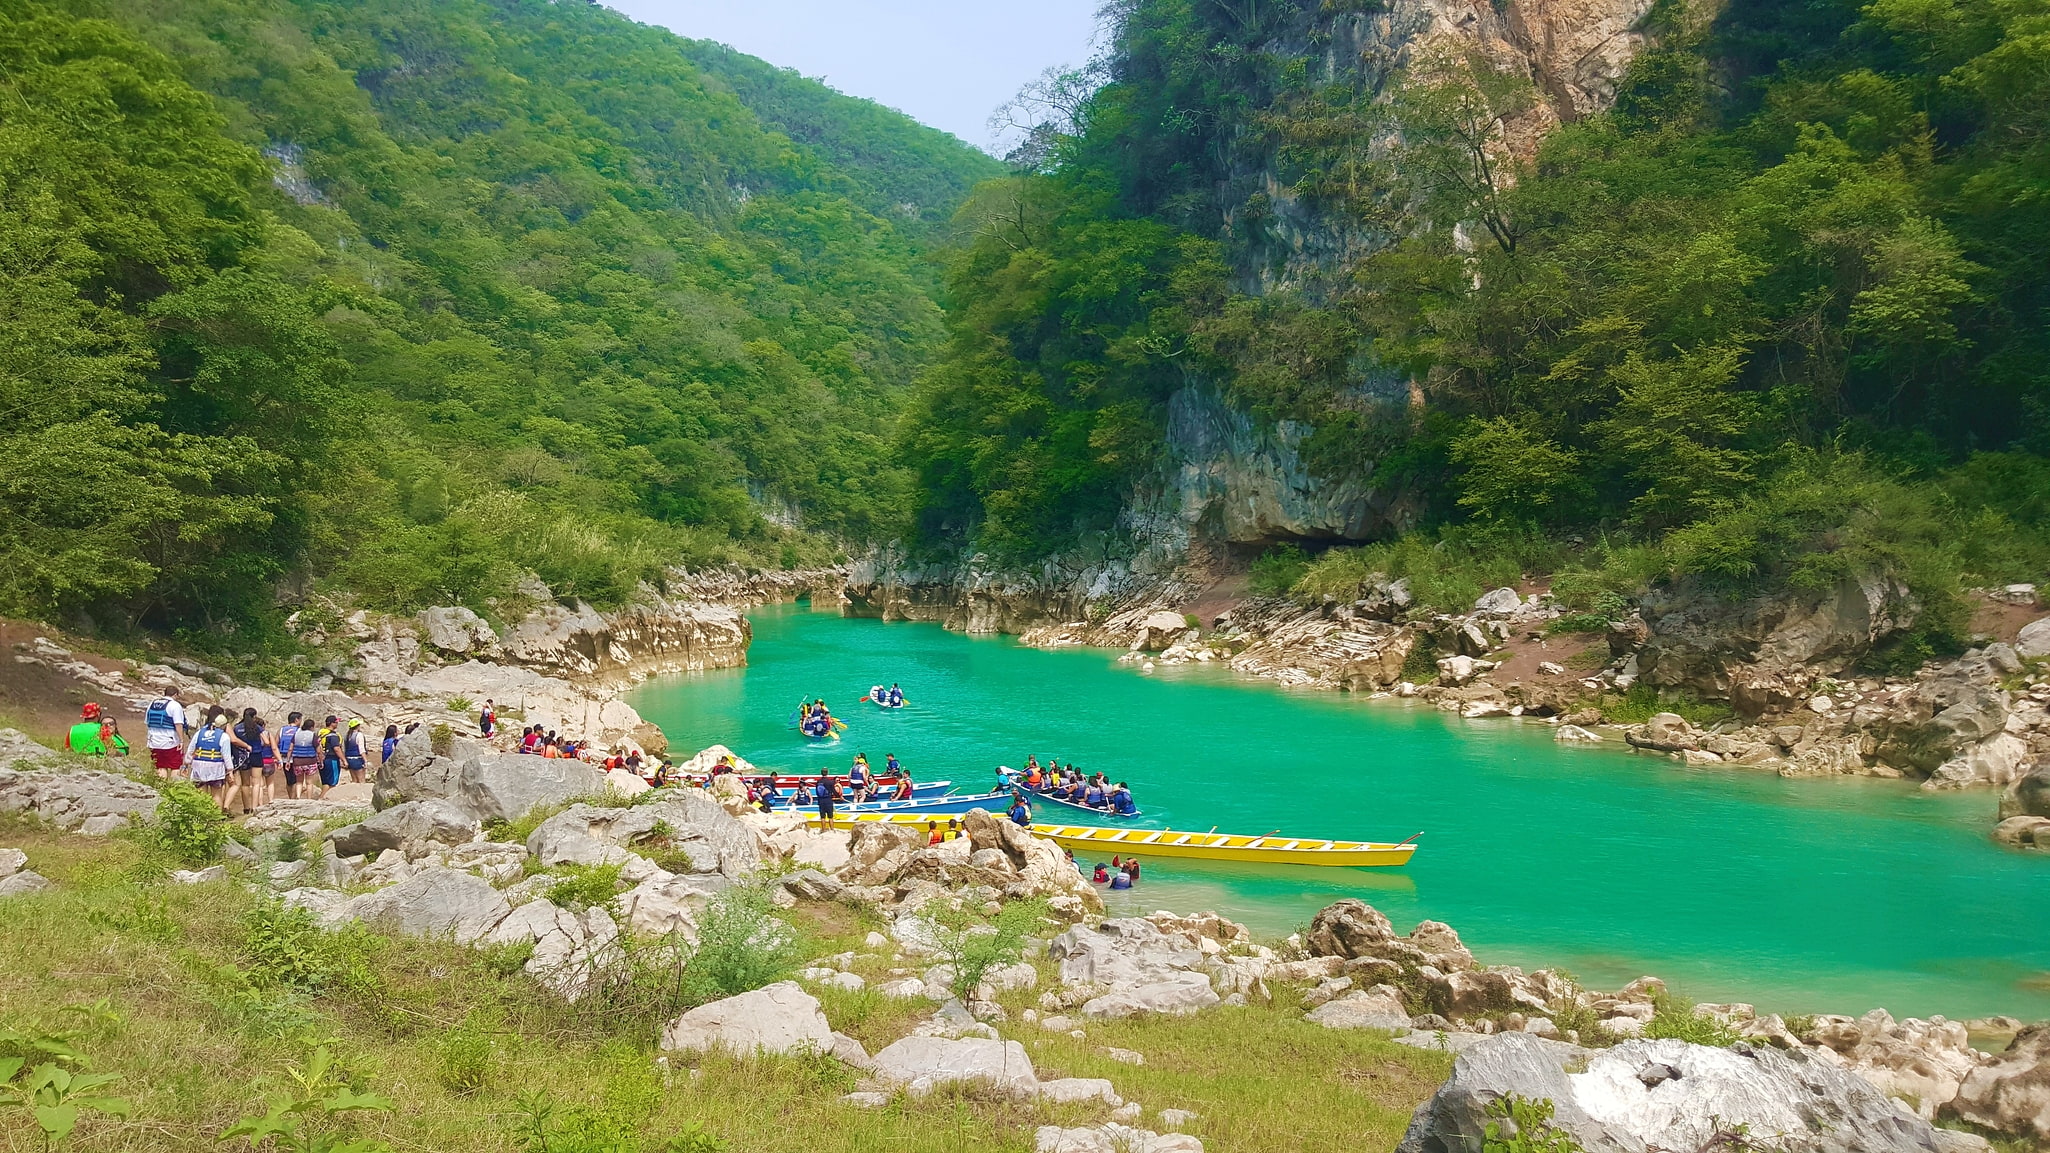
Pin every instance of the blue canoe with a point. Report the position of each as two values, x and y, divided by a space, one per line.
996 803
1077 806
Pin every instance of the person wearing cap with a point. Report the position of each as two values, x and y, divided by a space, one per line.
84 737
353 751
330 738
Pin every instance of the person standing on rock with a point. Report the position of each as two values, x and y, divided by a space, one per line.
355 752
167 732
211 752
249 760
391 745
487 719
304 746
330 740
84 737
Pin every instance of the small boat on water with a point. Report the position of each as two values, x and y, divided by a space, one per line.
1017 780
1077 807
947 806
1272 849
887 785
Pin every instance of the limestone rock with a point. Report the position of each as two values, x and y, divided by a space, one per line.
64 796
1075 1090
780 1018
1916 1060
1997 760
2023 832
12 861
1500 602
1574 734
919 1064
23 882
434 819
507 786
1362 1010
458 630
658 907
435 902
1178 995
1112 1137
699 835
2029 795
1348 928
1668 1095
2034 639
2011 1093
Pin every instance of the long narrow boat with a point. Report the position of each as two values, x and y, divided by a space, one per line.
1038 799
882 784
996 803
1268 850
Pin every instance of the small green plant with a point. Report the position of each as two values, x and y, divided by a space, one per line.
144 916
972 946
1573 623
1671 1020
466 1055
1801 1024
43 1072
1521 1125
284 946
1421 665
53 1095
305 1118
584 886
459 704
741 945
291 845
442 740
633 1093
189 825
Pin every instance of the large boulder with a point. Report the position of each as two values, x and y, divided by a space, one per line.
1361 1010
781 1018
69 797
508 786
1646 1095
19 750
570 950
425 765
1176 995
2034 639
457 630
920 1064
1913 1060
2011 1093
2029 795
689 830
1123 951
435 902
1348 928
434 819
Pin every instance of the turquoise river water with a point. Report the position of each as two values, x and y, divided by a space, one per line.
1797 895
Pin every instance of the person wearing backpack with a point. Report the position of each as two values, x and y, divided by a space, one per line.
167 733
330 739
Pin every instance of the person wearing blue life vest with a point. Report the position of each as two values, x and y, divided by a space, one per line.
166 733
1121 801
896 697
354 754
210 753
1021 813
390 748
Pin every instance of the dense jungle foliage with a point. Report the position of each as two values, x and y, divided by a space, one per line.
409 297
1778 316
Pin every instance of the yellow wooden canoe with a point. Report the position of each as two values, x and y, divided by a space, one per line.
1267 850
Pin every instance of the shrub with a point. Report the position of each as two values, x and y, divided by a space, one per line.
465 1055
973 946
1521 1125
1277 570
291 845
741 945
283 946
583 886
1674 1021
189 825
1578 623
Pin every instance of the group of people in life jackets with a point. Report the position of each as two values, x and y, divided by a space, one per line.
815 719
890 698
1094 791
238 761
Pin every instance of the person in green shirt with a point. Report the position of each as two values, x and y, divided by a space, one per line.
84 737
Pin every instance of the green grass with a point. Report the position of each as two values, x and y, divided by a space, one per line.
215 998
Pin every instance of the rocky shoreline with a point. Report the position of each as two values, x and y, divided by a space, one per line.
1629 1069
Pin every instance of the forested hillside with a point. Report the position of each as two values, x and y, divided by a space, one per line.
407 297
1777 317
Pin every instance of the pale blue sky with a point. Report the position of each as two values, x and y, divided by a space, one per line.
949 63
